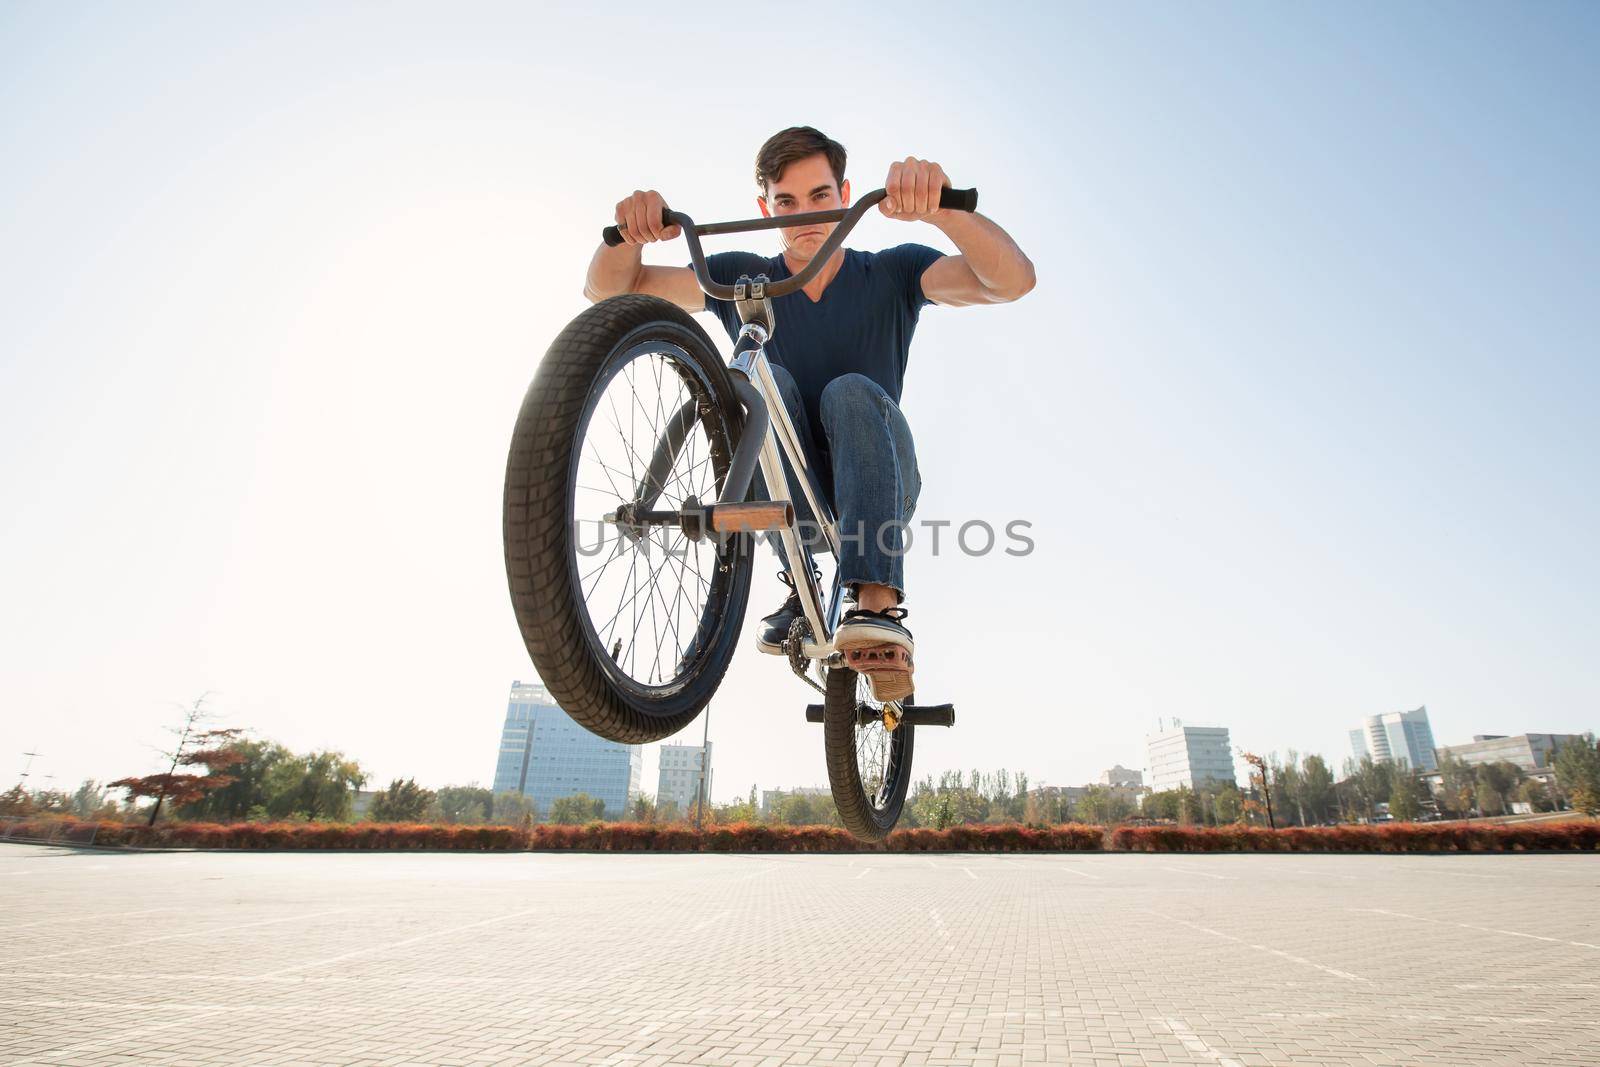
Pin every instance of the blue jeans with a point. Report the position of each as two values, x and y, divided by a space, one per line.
868 473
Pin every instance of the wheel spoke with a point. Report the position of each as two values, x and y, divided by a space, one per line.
652 611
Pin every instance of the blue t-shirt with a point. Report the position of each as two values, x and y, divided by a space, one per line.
863 323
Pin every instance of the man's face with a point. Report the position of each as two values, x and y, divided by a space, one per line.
805 185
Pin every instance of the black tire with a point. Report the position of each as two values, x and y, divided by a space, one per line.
590 682
868 808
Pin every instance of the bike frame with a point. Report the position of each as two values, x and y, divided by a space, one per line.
769 433
750 361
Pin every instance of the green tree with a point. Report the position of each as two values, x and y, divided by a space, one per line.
247 790
1316 791
745 810
403 801
1226 804
1495 782
1577 765
512 809
316 785
1405 797
467 804
1534 794
1457 786
1288 790
804 809
1162 805
1188 806
577 808
1370 784
1095 805
90 802
643 808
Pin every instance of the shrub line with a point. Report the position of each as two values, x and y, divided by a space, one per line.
754 837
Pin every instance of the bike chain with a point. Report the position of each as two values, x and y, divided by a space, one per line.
794 648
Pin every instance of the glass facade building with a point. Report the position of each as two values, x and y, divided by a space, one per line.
545 755
1396 737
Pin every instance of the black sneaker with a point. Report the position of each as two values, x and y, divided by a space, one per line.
863 629
774 629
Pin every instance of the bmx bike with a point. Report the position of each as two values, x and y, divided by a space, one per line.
629 524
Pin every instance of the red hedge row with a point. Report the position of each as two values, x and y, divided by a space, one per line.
1577 835
1392 837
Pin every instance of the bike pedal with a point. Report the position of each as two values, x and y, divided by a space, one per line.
910 714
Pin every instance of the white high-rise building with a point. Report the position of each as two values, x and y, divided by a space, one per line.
679 779
1396 737
1190 756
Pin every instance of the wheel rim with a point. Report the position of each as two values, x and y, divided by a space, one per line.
647 602
878 749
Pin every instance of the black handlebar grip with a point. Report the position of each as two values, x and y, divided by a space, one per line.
612 236
959 199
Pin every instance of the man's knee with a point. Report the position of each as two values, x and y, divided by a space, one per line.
852 394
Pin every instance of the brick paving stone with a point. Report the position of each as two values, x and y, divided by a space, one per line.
451 960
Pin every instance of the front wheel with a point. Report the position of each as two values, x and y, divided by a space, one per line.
630 623
869 755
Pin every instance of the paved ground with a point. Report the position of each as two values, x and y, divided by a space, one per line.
193 958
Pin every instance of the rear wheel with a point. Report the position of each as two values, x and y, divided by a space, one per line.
630 626
868 753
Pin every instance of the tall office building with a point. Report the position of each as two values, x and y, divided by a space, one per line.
1190 756
544 755
679 780
1396 737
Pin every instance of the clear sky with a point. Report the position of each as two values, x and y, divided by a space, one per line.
1302 410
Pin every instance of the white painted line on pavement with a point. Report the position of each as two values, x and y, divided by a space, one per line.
401 944
1080 874
970 874
1346 975
1195 1043
938 924
1474 926
703 923
864 872
173 937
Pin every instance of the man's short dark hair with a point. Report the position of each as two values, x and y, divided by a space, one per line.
797 142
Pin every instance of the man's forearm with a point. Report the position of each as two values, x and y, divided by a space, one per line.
613 271
1000 266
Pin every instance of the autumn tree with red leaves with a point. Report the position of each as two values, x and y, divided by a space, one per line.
210 749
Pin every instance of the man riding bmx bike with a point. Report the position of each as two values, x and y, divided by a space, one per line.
841 359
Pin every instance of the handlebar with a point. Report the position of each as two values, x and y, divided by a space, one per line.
951 199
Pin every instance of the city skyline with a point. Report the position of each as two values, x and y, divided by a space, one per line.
647 765
1300 409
